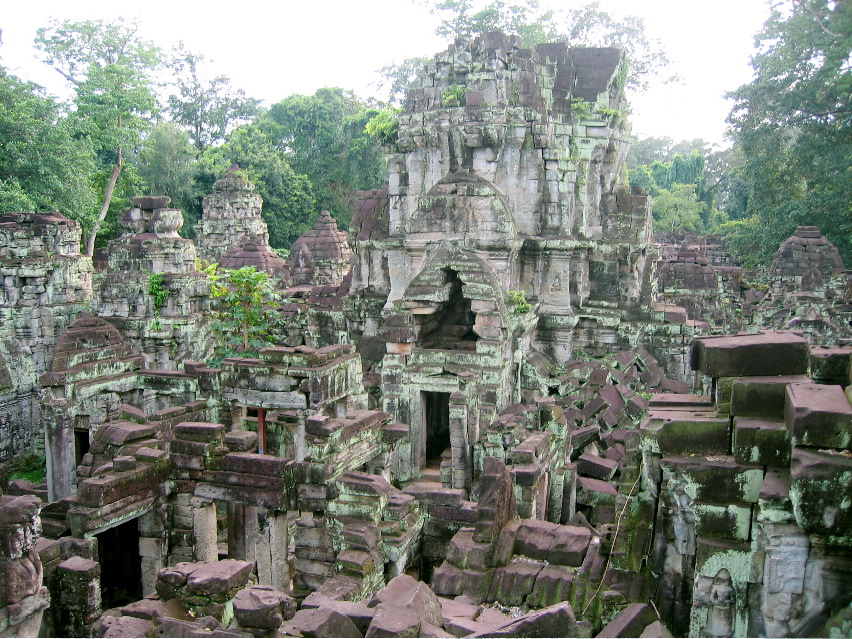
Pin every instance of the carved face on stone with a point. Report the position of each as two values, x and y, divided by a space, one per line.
20 526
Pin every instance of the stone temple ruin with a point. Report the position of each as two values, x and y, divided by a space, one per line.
499 408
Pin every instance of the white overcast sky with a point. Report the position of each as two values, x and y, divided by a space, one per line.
274 49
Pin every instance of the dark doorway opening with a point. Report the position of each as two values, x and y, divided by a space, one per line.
451 326
81 444
121 567
436 412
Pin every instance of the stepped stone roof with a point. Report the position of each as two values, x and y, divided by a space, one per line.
256 254
807 253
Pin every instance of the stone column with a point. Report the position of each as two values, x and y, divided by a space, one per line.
79 582
204 532
152 549
461 462
270 548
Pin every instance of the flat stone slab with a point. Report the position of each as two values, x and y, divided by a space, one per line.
763 353
218 577
630 622
596 467
818 416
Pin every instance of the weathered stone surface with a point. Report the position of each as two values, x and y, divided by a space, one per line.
263 607
630 622
321 622
821 492
763 353
554 621
406 592
219 577
819 416
761 441
392 620
108 626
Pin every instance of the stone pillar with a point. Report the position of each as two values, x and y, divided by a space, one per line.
236 531
204 532
270 548
461 461
79 582
152 549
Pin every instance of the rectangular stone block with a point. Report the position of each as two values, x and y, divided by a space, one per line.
731 521
675 433
763 353
720 481
761 441
762 396
821 492
818 416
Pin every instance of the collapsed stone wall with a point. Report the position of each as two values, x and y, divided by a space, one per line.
231 216
153 290
46 283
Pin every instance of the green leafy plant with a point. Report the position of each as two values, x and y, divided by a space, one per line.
608 112
246 316
518 300
155 323
384 125
455 94
156 289
581 108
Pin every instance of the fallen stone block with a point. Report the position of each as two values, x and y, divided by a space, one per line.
122 627
511 584
320 622
391 620
534 538
263 607
570 546
630 622
406 592
553 621
594 492
552 585
219 577
596 467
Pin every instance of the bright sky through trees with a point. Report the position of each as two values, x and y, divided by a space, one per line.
272 50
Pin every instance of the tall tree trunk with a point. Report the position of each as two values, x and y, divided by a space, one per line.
113 178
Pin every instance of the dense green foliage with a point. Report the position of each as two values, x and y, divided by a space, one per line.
43 165
793 127
684 191
167 162
246 315
208 110
323 136
111 72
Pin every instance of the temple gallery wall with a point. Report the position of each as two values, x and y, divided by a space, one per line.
498 407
